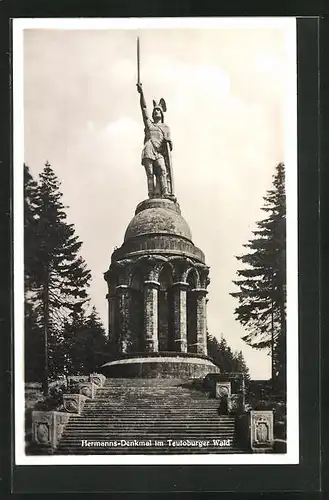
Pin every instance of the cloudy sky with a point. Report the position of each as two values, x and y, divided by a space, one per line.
225 91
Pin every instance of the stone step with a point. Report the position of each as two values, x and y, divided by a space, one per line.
173 392
154 401
149 406
152 389
150 380
122 432
126 425
148 409
154 408
148 425
96 420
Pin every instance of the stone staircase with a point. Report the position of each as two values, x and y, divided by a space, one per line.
141 416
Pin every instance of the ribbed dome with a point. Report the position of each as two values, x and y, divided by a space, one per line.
158 216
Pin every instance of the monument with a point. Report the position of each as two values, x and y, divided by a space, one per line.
157 280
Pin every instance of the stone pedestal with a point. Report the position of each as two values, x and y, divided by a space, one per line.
73 403
261 431
98 379
180 316
48 426
157 284
151 315
88 389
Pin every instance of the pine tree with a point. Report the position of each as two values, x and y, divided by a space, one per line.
59 274
86 344
262 295
30 241
33 330
223 356
240 364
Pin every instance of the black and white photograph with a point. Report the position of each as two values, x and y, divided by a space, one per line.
155 241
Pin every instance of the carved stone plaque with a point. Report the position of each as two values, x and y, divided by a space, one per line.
261 430
73 403
98 379
48 427
223 389
42 433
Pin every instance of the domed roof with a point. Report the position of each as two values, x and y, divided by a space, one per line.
158 216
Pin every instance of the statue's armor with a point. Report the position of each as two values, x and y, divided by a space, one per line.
155 134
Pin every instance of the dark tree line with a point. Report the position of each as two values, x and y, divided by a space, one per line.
225 358
56 287
262 280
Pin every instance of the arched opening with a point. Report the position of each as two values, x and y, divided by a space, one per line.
137 310
192 280
165 310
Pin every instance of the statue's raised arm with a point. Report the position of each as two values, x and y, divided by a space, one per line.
142 102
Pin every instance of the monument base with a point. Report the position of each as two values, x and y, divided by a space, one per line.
160 365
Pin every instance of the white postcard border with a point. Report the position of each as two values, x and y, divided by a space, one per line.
289 25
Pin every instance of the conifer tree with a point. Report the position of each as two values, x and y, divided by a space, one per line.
225 358
59 274
33 331
86 344
30 240
262 280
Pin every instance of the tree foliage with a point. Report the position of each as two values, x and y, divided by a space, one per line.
85 344
228 360
262 280
56 277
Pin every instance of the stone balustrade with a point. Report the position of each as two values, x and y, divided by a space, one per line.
73 403
87 389
76 379
98 379
48 426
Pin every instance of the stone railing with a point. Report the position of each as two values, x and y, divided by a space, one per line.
229 389
48 426
254 427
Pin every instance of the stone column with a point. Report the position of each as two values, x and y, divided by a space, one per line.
201 320
122 311
112 319
180 316
151 315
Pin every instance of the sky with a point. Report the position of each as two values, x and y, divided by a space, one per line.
225 90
